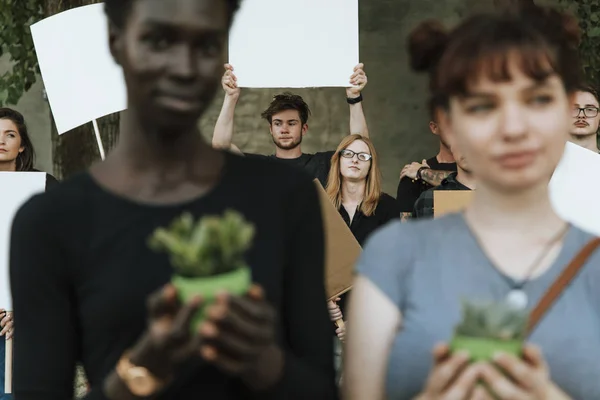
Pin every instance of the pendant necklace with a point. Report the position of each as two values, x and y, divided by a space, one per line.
516 296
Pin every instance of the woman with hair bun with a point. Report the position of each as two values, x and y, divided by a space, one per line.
504 83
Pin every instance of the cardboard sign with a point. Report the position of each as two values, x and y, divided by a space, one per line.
294 44
450 201
17 188
341 248
82 81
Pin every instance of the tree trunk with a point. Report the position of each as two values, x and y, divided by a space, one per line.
76 150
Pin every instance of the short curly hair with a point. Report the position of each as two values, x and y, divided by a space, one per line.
287 101
117 10
587 88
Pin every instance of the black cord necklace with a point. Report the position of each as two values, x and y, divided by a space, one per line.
516 296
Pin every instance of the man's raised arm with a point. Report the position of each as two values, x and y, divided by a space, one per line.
358 122
223 133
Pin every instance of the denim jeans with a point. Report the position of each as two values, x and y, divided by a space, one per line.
3 396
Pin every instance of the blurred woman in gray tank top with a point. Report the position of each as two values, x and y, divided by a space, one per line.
502 84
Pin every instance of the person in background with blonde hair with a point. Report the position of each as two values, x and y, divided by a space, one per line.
354 188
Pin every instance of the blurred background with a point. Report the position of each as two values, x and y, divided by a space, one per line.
394 100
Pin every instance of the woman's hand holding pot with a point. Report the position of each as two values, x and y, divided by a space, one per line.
239 337
451 378
526 378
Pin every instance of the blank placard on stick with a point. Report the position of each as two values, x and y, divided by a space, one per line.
294 44
82 80
17 188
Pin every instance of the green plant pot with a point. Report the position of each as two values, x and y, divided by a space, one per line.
482 349
235 282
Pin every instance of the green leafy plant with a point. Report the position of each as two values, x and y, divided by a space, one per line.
213 245
16 16
491 320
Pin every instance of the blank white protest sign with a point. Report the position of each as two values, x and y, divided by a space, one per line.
82 80
16 188
574 191
294 43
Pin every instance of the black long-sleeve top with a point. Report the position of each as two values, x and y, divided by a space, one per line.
81 271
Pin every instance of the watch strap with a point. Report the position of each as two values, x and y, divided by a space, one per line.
419 176
354 100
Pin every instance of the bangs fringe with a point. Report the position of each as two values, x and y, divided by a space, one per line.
493 56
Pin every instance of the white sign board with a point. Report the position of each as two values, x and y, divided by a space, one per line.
294 44
82 81
574 188
17 188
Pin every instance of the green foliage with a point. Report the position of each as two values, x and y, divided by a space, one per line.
214 245
492 321
588 13
16 16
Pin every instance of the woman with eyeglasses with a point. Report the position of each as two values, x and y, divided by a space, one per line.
354 187
586 121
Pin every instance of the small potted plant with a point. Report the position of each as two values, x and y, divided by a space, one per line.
207 256
489 327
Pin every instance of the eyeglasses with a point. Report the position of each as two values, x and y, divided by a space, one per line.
589 112
350 154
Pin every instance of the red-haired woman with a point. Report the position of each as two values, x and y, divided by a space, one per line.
505 83
354 188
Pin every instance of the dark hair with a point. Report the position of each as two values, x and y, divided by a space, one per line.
26 158
118 10
287 101
584 87
434 105
544 40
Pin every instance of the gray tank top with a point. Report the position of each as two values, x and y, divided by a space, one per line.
426 267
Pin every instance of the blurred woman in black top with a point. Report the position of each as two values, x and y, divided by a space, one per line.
105 295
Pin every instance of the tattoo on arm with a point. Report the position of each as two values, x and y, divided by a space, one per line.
434 177
405 216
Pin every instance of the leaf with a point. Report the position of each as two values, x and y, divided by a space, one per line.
3 97
594 32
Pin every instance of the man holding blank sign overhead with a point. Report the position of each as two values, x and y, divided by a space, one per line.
287 116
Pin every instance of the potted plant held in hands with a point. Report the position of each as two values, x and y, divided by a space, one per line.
207 256
489 327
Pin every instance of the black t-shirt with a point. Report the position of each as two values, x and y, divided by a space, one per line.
409 190
50 181
81 270
362 226
316 165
